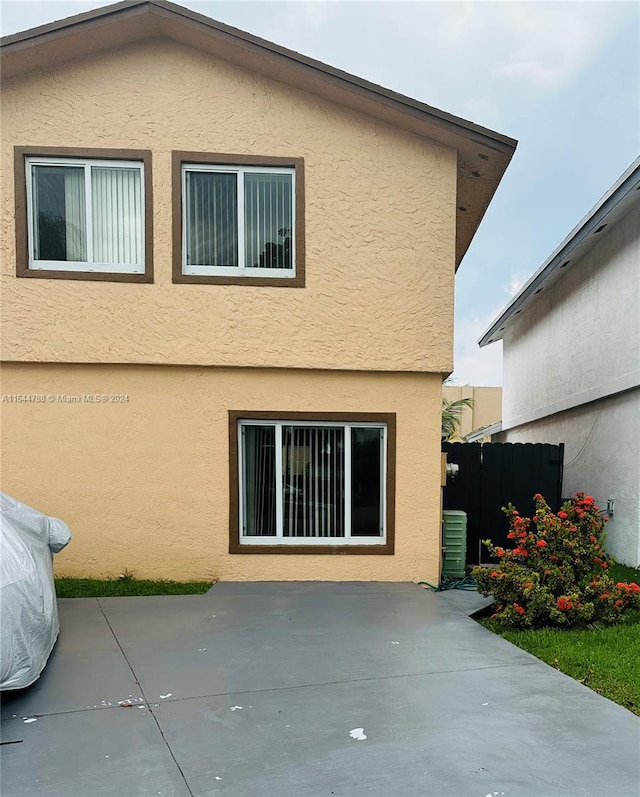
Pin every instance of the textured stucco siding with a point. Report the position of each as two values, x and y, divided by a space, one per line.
144 485
380 224
581 339
602 457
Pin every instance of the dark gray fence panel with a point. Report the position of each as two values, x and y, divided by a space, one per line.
494 474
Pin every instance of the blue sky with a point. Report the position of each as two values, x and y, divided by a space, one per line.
561 77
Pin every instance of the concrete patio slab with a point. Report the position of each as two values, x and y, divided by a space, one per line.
475 732
268 690
468 601
303 634
117 752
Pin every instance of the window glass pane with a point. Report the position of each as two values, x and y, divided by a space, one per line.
212 219
59 217
259 478
313 481
366 482
268 220
117 215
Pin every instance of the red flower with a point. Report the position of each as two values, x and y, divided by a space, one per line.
632 587
541 544
563 515
499 551
592 538
619 603
518 608
511 535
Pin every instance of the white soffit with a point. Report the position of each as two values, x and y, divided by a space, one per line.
610 209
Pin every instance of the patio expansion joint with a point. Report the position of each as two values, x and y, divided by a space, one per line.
149 705
347 681
147 702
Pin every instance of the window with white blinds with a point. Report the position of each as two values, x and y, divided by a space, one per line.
312 483
238 221
86 215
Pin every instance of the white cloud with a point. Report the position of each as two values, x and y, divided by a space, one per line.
549 42
473 365
301 26
515 283
481 368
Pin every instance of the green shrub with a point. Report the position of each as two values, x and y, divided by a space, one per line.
556 573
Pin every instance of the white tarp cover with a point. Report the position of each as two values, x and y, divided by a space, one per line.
29 622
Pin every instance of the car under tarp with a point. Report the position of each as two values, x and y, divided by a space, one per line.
29 623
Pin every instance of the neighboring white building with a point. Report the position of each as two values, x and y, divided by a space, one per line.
571 350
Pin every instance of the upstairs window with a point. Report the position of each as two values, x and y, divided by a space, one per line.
240 222
86 216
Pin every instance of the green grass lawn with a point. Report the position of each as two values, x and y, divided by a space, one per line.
126 586
605 659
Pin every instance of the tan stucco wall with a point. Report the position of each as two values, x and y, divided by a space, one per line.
380 224
486 408
144 484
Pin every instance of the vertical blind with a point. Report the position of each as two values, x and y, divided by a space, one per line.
259 481
117 215
268 220
366 481
313 476
212 219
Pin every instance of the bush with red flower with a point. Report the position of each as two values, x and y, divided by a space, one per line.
556 573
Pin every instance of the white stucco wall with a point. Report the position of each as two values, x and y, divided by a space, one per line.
580 341
572 376
602 457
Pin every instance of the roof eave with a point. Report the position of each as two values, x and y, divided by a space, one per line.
619 198
483 154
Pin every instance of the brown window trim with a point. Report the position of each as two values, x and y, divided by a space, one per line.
22 242
178 158
343 417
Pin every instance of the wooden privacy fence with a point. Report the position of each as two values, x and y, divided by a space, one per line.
492 475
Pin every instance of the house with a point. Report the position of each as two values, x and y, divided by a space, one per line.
571 349
485 407
228 300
